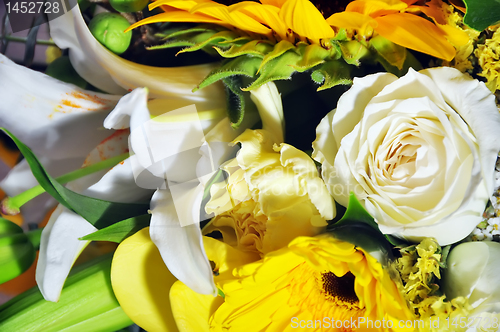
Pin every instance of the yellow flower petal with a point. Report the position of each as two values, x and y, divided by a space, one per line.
191 310
416 33
142 282
235 18
305 20
351 20
265 14
375 8
177 16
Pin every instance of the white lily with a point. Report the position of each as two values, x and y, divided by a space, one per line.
113 74
51 117
168 154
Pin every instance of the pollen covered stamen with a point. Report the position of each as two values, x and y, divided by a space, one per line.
340 289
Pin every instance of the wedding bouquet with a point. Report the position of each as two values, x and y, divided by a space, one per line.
281 165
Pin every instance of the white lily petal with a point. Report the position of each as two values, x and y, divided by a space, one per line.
96 64
60 245
268 102
58 252
181 247
165 136
50 116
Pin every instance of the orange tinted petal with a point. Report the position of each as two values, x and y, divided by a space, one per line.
235 18
415 33
350 20
179 4
376 8
305 20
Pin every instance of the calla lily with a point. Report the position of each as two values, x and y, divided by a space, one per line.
51 117
113 74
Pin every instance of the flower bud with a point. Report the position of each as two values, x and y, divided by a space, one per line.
473 270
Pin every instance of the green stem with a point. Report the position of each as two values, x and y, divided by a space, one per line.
24 40
15 203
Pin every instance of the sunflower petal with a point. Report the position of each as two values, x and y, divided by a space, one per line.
305 20
265 14
415 33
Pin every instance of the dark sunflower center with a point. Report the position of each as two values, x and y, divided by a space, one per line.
341 288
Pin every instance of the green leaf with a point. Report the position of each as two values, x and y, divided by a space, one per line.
256 48
121 230
353 51
209 39
279 49
312 55
99 213
87 303
235 100
394 54
244 65
332 73
279 68
482 13
359 228
356 212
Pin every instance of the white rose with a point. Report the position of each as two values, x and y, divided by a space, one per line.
419 151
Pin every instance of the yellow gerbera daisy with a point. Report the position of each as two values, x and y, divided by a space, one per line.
316 279
301 20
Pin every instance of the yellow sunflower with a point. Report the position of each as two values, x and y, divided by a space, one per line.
316 280
301 20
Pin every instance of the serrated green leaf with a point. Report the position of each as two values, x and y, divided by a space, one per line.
243 65
353 51
278 69
332 73
257 48
172 44
191 31
235 100
121 230
208 39
482 13
312 56
236 41
279 49
99 213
